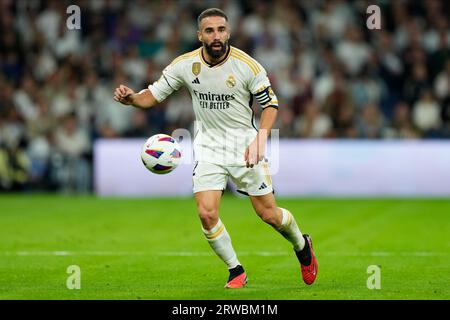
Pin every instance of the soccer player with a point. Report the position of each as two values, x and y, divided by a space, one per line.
223 81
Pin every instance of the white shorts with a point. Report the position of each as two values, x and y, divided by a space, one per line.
254 181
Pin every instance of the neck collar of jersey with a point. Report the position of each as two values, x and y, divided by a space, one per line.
218 63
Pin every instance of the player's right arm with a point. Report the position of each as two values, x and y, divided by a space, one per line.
171 80
143 99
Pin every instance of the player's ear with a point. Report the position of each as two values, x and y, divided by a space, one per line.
199 36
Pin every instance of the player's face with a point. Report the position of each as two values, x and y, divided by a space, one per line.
214 34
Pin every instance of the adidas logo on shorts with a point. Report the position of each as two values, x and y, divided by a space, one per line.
263 186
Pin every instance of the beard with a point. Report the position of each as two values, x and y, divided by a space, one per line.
215 53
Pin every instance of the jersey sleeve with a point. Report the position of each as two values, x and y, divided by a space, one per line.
261 89
170 81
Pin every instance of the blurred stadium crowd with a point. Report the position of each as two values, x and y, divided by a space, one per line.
334 77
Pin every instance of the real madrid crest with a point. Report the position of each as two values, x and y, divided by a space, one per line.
196 67
231 81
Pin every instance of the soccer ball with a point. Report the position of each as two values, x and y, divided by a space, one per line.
161 154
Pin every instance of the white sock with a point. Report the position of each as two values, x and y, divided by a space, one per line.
289 229
220 242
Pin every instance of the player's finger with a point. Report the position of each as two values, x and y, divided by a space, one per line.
123 89
127 91
118 94
251 161
246 157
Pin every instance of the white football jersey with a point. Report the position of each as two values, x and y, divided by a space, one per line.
222 95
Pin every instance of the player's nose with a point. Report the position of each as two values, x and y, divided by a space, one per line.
216 36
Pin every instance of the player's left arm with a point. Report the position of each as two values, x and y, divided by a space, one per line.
260 87
256 150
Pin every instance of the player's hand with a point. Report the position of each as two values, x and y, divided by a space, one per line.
123 94
255 152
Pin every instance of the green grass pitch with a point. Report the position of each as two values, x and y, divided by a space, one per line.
154 249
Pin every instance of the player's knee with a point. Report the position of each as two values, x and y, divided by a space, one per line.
208 216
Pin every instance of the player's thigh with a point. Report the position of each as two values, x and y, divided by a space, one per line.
263 202
266 207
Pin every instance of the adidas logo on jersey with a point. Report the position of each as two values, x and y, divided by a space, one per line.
263 186
196 81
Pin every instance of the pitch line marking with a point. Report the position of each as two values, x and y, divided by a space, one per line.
201 254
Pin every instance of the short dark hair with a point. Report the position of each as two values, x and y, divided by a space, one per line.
211 12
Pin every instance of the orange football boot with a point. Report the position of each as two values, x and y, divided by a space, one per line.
309 272
236 281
